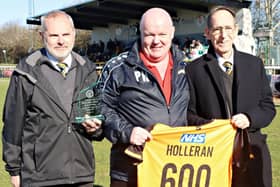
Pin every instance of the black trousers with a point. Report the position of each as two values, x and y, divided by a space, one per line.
259 171
75 185
118 183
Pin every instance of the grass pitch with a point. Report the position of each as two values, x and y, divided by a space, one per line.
102 149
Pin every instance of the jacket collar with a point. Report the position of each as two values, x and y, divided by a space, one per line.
238 73
30 68
214 72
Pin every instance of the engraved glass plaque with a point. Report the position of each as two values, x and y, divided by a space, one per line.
88 104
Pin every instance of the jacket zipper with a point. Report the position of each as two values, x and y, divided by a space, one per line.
69 129
172 83
146 70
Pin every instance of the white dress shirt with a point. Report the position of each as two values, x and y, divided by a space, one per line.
54 61
221 61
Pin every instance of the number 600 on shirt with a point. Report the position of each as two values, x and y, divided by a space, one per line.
188 156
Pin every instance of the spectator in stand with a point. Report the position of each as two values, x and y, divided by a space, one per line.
101 46
277 85
111 47
176 42
194 49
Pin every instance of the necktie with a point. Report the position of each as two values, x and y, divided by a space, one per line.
228 66
62 66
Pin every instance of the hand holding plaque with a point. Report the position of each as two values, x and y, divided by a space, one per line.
88 104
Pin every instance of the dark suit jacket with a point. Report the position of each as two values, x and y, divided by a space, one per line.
251 95
251 91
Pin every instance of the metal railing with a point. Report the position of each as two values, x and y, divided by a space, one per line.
6 71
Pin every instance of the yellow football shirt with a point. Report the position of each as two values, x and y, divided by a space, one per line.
188 156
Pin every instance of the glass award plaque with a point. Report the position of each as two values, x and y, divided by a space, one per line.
88 104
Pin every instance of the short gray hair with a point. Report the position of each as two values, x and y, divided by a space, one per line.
216 9
54 14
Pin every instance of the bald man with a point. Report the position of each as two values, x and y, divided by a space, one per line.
144 86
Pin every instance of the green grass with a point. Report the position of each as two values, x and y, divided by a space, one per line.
3 175
102 149
274 145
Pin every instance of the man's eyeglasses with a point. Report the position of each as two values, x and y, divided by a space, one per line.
219 30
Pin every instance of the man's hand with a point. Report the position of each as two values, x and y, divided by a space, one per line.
240 121
139 136
15 180
91 125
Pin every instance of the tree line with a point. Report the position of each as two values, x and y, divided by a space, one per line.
17 41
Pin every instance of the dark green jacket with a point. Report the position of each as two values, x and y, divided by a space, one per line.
40 142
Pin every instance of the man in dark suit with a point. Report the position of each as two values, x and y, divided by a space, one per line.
226 83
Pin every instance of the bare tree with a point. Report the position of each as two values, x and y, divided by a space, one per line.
14 39
83 37
17 41
266 16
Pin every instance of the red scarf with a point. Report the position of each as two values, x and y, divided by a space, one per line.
165 84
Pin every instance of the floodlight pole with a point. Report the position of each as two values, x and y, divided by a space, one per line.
5 55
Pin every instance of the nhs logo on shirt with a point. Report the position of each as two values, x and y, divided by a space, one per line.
193 138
